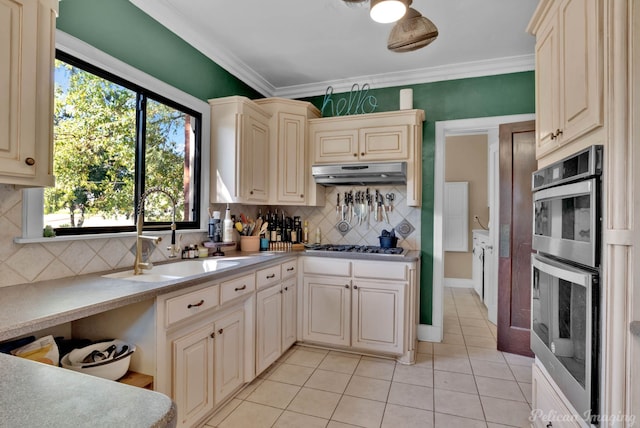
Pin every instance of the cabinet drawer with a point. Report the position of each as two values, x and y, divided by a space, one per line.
267 276
381 270
181 307
231 289
326 267
289 268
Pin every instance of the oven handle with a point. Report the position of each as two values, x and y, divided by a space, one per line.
562 270
566 190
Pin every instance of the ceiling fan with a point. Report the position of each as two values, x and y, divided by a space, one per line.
412 31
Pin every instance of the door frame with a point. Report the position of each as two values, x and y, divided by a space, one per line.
481 125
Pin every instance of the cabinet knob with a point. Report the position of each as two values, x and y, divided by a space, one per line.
346 286
355 287
362 154
220 331
281 291
301 196
355 155
553 135
30 161
558 132
286 288
251 192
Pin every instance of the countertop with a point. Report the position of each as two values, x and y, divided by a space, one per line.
35 394
38 395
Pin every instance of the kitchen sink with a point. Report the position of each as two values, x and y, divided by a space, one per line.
175 270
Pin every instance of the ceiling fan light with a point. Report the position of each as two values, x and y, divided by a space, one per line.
386 11
412 32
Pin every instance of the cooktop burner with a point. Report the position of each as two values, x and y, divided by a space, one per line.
362 249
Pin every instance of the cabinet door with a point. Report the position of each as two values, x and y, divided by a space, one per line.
268 327
289 312
331 146
27 48
547 81
581 68
255 158
229 351
548 404
384 143
327 310
290 161
193 374
378 316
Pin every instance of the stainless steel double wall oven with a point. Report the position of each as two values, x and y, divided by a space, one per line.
565 304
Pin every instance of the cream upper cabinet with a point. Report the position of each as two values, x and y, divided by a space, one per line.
239 151
569 74
374 137
290 177
27 50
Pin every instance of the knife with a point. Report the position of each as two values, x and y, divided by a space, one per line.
338 208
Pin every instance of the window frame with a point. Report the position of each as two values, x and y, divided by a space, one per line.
33 199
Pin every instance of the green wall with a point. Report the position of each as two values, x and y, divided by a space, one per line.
450 100
123 31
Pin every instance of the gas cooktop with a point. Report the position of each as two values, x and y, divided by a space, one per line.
360 249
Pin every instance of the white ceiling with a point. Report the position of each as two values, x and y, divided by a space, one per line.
296 48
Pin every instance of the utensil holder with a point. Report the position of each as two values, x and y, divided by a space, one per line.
249 243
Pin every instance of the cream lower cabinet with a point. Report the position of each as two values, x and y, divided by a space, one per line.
276 314
204 340
371 309
549 410
229 354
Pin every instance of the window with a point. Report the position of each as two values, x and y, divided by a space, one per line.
112 140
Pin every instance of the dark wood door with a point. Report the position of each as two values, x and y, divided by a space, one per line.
517 162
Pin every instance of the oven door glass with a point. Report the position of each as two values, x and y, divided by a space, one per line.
564 222
564 317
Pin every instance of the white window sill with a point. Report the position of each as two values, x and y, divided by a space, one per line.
42 239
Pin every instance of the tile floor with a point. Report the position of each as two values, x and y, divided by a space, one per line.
462 382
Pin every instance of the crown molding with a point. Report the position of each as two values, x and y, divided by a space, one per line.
463 70
170 17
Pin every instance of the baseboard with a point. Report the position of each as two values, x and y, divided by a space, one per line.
429 333
458 282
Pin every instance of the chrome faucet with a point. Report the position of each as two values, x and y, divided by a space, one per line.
139 265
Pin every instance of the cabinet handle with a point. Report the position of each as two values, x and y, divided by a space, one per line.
553 135
273 275
30 161
220 331
558 132
213 335
195 305
241 288
549 425
290 269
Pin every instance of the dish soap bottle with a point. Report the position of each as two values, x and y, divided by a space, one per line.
227 227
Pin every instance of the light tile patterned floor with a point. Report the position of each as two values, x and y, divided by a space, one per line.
462 382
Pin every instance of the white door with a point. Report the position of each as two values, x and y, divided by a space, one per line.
327 310
268 327
193 374
378 316
229 354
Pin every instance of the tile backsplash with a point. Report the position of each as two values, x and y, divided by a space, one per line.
26 263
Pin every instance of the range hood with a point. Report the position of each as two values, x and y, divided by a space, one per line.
360 173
